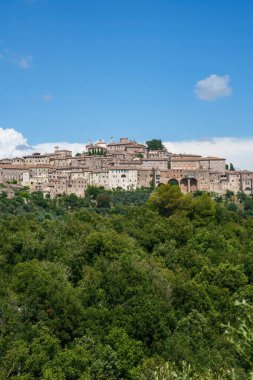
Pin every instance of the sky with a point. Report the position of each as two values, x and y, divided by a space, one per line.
177 70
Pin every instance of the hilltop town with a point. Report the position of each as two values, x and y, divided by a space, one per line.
125 164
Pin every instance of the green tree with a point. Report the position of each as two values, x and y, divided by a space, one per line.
241 336
155 144
169 199
44 293
204 209
103 200
231 167
93 191
129 351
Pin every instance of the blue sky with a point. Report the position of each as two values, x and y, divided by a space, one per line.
78 70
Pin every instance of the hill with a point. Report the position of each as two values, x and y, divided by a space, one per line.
126 285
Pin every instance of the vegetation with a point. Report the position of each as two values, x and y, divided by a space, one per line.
126 285
155 144
230 167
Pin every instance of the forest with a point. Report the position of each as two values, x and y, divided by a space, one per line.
135 285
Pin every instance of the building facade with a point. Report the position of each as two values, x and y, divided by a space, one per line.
125 164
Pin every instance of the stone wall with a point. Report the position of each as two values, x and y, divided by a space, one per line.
126 164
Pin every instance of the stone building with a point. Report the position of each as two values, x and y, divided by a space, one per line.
99 148
99 177
208 163
127 148
125 164
36 159
123 177
155 163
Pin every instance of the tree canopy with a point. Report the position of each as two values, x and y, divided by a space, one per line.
126 285
155 144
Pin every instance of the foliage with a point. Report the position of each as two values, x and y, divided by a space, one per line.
155 144
131 285
241 336
168 199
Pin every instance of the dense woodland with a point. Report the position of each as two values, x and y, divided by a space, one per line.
136 285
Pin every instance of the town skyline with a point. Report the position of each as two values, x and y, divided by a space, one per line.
235 150
125 164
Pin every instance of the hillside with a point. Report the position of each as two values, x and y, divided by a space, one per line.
126 285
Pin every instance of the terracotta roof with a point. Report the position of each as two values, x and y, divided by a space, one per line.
184 155
155 159
181 159
128 143
98 171
24 167
16 186
122 168
185 170
63 158
239 172
36 155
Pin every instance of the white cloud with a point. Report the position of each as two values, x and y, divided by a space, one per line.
9 140
213 87
24 62
49 147
14 144
235 150
48 98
